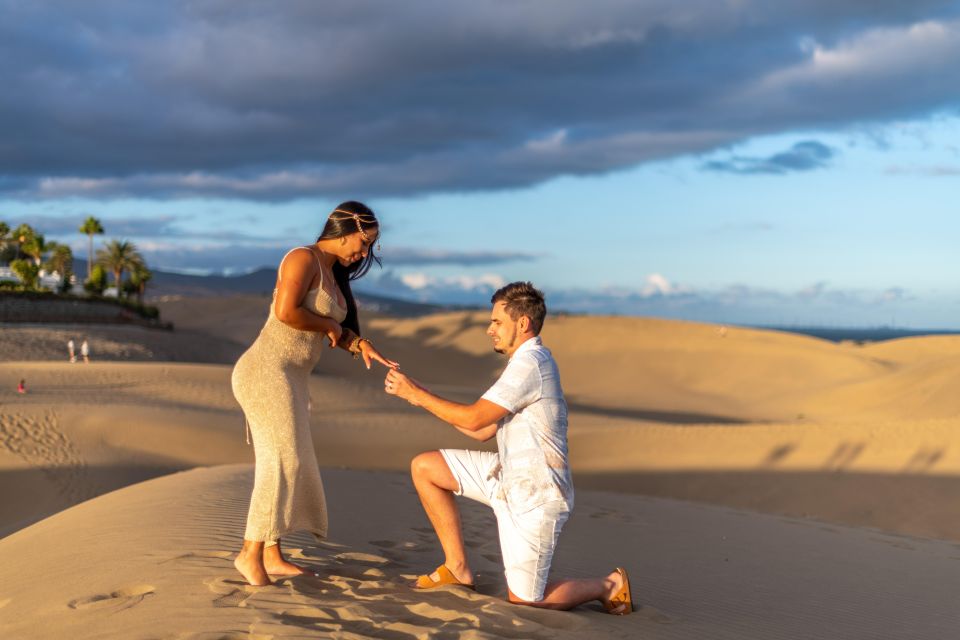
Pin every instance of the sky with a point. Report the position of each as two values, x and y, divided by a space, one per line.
789 163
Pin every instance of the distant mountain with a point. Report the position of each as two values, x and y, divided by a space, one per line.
261 281
168 283
859 334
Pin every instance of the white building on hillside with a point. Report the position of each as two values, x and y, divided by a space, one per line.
47 280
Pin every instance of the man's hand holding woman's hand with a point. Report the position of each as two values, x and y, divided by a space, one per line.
400 385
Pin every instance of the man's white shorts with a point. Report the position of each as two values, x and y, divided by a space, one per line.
527 540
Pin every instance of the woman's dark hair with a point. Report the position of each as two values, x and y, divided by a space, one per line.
351 217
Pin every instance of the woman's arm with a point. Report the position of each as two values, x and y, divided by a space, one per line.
296 274
361 347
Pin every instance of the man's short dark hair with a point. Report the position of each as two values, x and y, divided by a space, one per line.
523 299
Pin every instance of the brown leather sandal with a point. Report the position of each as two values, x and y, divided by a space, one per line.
622 598
446 577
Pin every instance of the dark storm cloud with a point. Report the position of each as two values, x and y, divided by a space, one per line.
122 227
803 156
69 224
278 101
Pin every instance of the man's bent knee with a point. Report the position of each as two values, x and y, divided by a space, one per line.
431 467
421 464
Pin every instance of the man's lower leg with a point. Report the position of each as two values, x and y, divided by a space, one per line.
569 593
433 486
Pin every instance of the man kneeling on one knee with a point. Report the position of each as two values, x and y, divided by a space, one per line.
527 482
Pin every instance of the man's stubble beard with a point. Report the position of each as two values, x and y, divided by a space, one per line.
513 338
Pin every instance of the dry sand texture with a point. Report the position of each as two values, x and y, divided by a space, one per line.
865 436
155 562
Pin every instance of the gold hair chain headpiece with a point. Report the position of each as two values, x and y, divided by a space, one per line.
358 217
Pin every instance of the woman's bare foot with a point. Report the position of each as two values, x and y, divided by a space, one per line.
251 568
276 565
285 568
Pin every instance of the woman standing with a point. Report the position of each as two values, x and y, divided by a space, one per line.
312 303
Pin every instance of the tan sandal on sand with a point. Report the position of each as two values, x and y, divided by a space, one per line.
621 599
446 577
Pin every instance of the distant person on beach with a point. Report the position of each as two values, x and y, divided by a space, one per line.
85 350
527 482
312 304
22 386
71 349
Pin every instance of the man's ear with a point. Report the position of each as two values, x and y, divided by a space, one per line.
523 324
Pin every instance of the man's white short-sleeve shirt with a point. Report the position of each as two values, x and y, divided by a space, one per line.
532 440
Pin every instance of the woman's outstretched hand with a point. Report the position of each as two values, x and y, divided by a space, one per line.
369 353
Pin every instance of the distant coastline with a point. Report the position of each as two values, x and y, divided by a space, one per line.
869 334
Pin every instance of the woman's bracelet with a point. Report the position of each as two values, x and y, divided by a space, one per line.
354 347
346 339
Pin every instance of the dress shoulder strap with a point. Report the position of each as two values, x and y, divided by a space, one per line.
319 265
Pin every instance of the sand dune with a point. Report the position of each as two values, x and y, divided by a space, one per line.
93 428
862 435
156 562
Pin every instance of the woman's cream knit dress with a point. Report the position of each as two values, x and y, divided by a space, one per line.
270 382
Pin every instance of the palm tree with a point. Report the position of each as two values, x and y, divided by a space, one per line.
4 235
89 227
22 235
35 246
119 256
27 272
61 261
140 276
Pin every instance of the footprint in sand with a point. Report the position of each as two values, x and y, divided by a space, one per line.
310 615
118 600
612 516
229 592
201 558
406 545
365 558
384 544
649 613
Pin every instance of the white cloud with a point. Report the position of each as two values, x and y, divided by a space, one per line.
425 287
874 54
416 281
656 284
